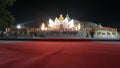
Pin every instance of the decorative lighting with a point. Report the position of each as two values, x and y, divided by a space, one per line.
51 23
79 26
19 26
43 26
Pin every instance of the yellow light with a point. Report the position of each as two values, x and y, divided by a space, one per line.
43 26
61 18
76 28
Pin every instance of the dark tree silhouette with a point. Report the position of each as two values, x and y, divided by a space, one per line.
6 18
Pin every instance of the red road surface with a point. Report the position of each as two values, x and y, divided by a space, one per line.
59 55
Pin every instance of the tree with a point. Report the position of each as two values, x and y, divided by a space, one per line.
6 2
6 18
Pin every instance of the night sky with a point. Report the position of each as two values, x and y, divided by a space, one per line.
106 12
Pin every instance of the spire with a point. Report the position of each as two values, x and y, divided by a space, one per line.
67 16
100 26
61 18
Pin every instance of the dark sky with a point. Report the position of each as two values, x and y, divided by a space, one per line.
106 12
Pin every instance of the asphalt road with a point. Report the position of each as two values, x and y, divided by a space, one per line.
43 54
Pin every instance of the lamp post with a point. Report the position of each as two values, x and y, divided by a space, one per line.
18 28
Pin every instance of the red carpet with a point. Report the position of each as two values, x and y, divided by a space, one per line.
59 55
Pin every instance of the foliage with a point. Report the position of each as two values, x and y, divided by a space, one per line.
6 18
6 2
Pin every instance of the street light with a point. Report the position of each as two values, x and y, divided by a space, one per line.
18 29
19 26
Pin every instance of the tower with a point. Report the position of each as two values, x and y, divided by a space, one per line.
61 18
67 16
100 26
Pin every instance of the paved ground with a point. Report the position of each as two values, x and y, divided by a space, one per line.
7 42
59 54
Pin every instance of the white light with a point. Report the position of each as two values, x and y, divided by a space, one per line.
51 23
55 24
19 26
71 23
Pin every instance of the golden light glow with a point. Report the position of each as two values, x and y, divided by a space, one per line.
76 28
43 26
61 18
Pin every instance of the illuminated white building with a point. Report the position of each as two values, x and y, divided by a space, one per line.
66 27
61 24
106 32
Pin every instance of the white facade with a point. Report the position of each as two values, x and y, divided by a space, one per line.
106 34
61 24
57 23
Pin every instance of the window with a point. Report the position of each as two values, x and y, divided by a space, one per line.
103 33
